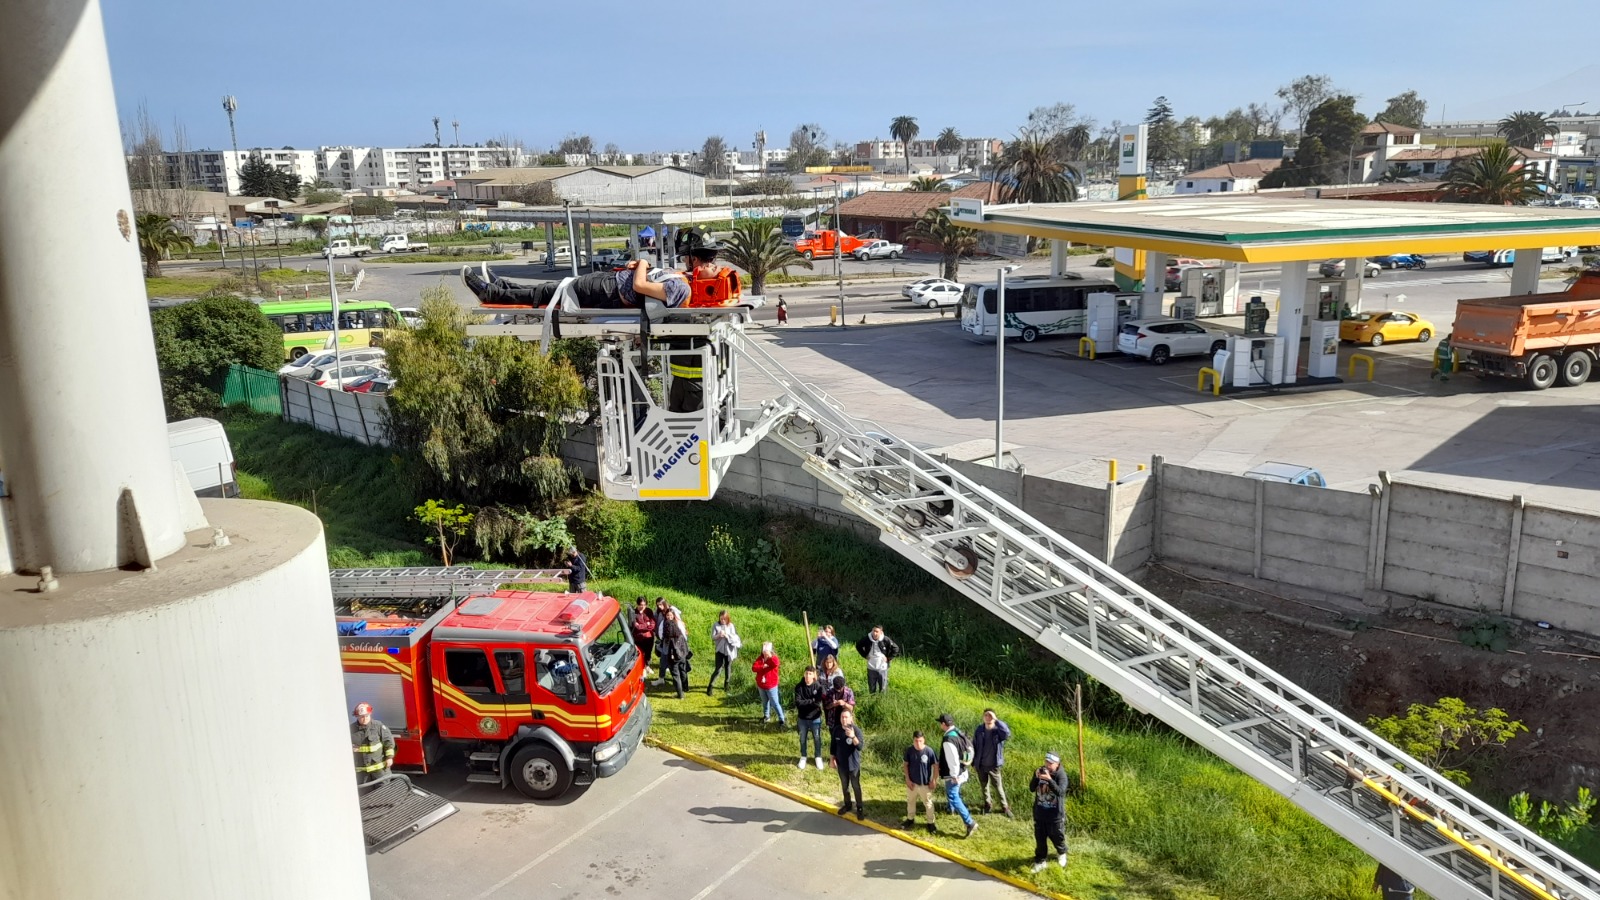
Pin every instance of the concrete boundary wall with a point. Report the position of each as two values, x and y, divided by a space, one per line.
360 417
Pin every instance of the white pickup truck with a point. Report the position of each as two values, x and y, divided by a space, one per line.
879 250
345 248
401 243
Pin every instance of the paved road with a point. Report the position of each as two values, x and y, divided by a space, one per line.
665 829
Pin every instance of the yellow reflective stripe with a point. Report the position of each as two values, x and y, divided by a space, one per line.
369 748
372 768
684 371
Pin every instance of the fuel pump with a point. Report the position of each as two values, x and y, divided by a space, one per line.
1322 326
1215 289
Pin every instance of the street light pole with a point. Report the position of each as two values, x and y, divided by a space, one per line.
838 268
1000 362
572 240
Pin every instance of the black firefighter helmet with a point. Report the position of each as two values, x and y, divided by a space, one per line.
695 242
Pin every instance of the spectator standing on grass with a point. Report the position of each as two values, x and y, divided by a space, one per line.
828 669
577 571
920 765
953 767
826 646
846 751
808 695
662 606
879 650
644 632
839 699
988 755
766 669
725 639
1049 787
674 643
1393 885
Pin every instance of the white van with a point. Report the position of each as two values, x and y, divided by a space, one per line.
201 447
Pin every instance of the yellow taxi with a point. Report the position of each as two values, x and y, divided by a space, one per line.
1381 326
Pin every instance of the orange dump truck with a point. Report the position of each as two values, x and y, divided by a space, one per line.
1542 339
823 243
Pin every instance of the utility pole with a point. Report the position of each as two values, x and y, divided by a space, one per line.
761 152
455 125
436 139
229 105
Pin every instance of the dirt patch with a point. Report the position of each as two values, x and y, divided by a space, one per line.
1375 663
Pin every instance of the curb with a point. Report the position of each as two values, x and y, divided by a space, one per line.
828 808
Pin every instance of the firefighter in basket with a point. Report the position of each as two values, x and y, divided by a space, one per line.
633 286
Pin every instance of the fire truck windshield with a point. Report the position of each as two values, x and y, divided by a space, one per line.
610 656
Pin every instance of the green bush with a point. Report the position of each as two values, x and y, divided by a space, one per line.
197 342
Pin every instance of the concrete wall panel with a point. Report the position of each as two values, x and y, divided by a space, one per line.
1185 549
1215 484
1208 507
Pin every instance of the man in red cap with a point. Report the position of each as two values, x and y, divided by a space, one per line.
372 743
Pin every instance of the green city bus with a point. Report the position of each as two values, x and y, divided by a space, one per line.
308 324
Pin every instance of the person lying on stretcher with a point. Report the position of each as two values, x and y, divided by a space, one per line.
628 288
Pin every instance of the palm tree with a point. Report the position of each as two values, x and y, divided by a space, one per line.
927 183
1526 128
950 240
1495 175
159 238
904 129
1075 140
1034 173
948 143
759 248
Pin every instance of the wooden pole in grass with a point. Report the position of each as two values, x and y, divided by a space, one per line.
810 647
1077 707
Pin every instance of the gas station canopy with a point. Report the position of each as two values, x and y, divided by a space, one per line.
1265 228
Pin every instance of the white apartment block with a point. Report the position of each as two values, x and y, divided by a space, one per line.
347 168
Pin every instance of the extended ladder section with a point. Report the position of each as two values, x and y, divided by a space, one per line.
1445 840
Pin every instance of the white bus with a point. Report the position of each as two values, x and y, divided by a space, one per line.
1036 305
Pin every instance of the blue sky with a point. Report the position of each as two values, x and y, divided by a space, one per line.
377 73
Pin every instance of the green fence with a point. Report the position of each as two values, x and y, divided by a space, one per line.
256 388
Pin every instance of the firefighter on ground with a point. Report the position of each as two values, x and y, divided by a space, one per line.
372 743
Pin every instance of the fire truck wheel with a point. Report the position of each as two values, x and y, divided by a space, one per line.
539 772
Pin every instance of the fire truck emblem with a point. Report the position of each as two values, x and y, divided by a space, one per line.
489 726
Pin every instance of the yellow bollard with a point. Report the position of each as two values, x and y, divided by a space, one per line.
1216 381
1350 371
1113 473
833 315
1141 467
1086 341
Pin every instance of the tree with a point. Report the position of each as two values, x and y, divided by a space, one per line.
535 193
576 145
808 146
1264 119
508 150
948 143
1049 121
312 194
158 239
1404 109
1494 175
1304 94
758 247
257 178
1162 142
197 341
1527 128
1034 173
161 188
1337 125
1308 167
771 185
949 240
382 207
485 420
1235 125
1397 172
1447 735
904 129
714 157
446 525
928 183
611 155
1564 826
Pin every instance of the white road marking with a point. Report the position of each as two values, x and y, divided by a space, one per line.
575 835
734 870
937 883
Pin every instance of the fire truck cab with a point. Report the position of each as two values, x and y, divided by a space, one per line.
539 689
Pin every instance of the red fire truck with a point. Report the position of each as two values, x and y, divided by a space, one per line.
539 689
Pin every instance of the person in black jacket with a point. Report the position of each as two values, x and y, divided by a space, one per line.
673 643
1049 787
988 755
808 695
879 650
846 749
577 571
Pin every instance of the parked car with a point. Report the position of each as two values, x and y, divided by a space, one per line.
934 296
1175 270
911 288
345 248
1288 473
879 250
347 372
371 384
1379 327
410 315
311 362
610 258
1400 261
1334 268
1159 340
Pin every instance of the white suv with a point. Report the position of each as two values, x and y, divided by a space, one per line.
933 296
1159 340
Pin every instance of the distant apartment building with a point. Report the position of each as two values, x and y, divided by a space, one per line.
347 168
925 154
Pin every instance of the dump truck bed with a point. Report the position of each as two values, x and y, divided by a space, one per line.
1515 326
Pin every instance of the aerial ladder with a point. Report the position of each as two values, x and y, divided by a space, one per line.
1397 810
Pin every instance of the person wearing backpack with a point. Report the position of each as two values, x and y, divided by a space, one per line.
955 755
